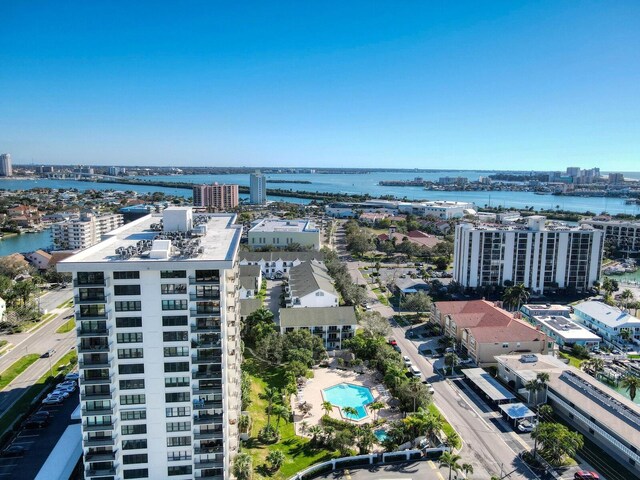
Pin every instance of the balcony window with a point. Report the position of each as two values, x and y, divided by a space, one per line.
90 278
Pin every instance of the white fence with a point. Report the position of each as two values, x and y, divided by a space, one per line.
364 460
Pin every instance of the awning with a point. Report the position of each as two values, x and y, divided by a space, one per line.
517 411
489 385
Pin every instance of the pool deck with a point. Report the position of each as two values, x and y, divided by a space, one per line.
328 377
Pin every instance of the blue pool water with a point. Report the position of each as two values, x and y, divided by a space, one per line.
347 395
380 434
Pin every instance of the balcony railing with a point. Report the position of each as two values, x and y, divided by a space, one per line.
100 473
210 374
96 380
99 456
98 411
217 435
204 281
98 332
90 300
209 464
94 347
100 441
99 395
93 315
206 328
208 450
209 312
207 419
207 390
196 297
94 283
94 427
206 359
206 405
206 343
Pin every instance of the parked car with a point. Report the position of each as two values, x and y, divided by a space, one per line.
69 386
42 414
586 475
526 426
429 387
392 341
58 392
466 361
72 376
406 360
14 451
53 400
396 348
415 371
39 422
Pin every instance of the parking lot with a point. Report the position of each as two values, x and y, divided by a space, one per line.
38 442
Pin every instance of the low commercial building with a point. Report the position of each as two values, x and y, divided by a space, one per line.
484 330
85 231
607 321
565 332
310 285
415 236
39 259
283 233
333 324
442 209
277 264
601 414
530 310
541 256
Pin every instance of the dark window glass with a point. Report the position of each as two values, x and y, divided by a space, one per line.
128 322
134 444
130 306
133 429
131 337
176 367
177 397
126 290
130 353
126 275
137 458
133 415
131 384
175 320
131 369
179 470
136 473
173 274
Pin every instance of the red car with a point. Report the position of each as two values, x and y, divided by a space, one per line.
392 342
585 475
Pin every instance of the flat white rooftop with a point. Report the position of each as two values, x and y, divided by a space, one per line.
276 225
218 243
566 328
610 316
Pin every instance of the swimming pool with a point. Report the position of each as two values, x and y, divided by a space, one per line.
348 395
380 434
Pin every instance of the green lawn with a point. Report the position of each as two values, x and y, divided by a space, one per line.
446 426
67 327
298 451
16 369
381 297
22 406
35 325
573 361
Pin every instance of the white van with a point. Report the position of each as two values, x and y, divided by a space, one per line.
415 371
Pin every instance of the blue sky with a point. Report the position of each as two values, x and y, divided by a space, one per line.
493 85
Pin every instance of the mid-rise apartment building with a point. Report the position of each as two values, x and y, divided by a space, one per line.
284 233
257 189
607 321
625 234
540 256
158 341
217 196
85 231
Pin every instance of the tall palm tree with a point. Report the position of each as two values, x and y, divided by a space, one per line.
626 297
543 380
467 469
631 383
516 295
375 407
327 407
450 461
533 387
281 412
451 360
314 431
271 395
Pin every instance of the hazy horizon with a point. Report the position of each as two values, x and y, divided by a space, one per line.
497 86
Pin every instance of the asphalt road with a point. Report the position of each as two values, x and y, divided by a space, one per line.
39 341
422 470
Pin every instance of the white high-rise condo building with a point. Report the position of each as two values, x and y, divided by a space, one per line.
156 307
6 170
257 188
542 257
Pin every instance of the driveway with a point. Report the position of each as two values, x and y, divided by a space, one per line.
274 290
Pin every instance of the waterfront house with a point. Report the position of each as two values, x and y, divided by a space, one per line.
607 321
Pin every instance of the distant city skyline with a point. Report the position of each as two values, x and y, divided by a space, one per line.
502 86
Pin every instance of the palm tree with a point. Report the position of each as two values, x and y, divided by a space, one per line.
375 407
451 360
304 427
350 412
281 412
543 379
533 387
516 295
327 407
243 466
450 461
467 469
276 459
625 334
365 438
631 383
244 422
626 297
314 430
545 411
271 395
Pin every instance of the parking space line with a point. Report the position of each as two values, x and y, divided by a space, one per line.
28 436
